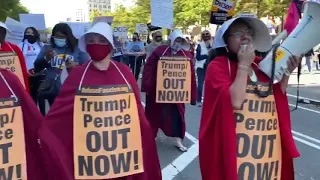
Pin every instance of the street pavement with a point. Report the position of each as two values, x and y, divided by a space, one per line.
305 128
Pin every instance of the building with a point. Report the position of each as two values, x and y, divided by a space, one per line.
80 16
100 5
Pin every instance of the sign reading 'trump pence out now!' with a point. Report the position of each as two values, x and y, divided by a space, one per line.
173 80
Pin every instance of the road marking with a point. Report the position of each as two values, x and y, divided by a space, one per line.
182 161
291 95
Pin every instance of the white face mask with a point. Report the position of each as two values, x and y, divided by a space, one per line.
176 47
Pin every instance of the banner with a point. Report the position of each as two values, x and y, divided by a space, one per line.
107 136
13 163
11 62
221 11
258 136
173 80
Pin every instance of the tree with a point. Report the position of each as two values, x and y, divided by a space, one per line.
11 8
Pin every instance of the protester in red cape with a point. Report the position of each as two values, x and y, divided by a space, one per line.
22 133
170 118
6 46
245 125
57 133
30 47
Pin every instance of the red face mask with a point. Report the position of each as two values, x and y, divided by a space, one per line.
98 52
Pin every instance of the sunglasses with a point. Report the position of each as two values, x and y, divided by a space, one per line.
241 33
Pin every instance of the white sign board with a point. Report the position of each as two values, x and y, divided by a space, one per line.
79 28
107 19
162 13
142 28
34 20
120 31
17 31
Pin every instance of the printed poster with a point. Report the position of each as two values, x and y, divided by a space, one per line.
13 161
11 62
142 28
120 31
258 136
221 11
173 80
107 135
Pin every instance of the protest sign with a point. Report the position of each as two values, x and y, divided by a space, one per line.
106 19
34 20
17 31
11 62
221 11
107 136
12 145
120 31
258 136
173 80
142 28
162 13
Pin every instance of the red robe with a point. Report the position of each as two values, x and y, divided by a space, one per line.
217 138
5 48
32 119
159 115
57 130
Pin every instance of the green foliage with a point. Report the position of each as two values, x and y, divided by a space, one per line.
263 7
11 8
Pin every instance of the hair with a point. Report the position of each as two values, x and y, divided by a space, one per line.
137 34
35 32
65 29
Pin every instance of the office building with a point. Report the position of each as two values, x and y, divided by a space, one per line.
100 5
79 16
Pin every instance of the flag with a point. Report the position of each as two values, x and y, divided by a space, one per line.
293 16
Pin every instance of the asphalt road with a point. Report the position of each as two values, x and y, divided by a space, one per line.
305 127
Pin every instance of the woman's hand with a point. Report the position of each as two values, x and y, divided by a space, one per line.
71 64
293 63
246 55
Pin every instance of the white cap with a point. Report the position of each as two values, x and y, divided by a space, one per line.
101 28
261 40
177 33
5 26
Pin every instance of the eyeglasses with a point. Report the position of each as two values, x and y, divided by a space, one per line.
240 33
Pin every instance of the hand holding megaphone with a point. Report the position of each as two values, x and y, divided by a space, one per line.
246 54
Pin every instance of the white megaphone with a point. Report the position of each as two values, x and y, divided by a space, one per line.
303 38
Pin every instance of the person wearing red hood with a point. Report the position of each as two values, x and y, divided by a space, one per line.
20 120
245 129
7 47
96 128
169 86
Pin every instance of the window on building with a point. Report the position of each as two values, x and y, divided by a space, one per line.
104 6
95 5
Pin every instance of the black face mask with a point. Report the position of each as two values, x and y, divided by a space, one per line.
134 39
31 39
158 39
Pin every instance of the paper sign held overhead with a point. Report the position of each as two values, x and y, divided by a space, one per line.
162 13
142 28
107 19
17 31
35 20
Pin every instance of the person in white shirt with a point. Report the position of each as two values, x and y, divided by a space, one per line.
30 47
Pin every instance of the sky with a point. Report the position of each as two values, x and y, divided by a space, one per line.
55 10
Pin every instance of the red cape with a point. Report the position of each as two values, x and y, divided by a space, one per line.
154 111
5 47
32 119
217 138
57 130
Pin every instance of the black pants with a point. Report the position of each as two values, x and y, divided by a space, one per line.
34 83
135 65
200 74
42 104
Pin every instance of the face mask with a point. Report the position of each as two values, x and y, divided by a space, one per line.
176 47
31 39
134 39
158 38
60 42
98 52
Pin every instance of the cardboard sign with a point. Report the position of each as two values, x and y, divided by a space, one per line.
258 137
141 28
107 137
173 80
11 62
13 164
221 11
120 31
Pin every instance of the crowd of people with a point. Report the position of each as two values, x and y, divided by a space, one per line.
78 76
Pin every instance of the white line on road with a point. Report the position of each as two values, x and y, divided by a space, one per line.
306 109
291 95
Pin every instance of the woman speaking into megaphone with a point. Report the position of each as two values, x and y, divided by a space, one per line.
245 121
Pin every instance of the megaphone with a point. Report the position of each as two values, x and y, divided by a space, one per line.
303 38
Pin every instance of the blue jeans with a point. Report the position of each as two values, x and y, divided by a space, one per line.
201 74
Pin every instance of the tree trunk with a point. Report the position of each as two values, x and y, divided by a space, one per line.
258 8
